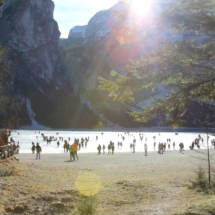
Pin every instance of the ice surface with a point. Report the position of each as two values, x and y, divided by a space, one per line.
26 137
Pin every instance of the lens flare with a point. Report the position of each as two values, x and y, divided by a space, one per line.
113 73
88 184
140 6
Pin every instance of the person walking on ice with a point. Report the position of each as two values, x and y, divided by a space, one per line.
181 147
145 147
72 157
33 148
38 150
103 147
113 148
75 150
99 149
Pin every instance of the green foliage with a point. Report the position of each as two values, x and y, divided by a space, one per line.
184 64
201 180
8 103
87 205
205 207
123 84
1 3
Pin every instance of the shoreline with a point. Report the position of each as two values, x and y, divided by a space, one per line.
120 129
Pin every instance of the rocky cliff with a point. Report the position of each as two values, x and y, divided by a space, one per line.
40 82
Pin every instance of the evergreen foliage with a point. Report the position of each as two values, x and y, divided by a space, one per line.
9 107
184 62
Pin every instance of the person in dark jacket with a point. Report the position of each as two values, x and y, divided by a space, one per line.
99 149
38 150
33 148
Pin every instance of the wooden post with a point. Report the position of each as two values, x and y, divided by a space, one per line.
12 151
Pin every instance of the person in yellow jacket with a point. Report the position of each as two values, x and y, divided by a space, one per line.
75 150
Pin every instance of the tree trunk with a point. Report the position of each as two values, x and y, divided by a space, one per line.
209 165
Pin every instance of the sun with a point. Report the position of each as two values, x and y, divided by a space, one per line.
141 7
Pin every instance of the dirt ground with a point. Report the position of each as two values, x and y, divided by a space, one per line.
131 183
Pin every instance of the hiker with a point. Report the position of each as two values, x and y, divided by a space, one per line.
191 147
113 148
181 147
103 147
145 147
99 149
38 150
133 148
160 148
164 147
58 143
173 145
33 148
67 146
193 144
169 147
75 150
17 149
64 146
72 157
154 146
109 148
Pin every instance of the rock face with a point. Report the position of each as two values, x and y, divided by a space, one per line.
32 33
40 81
78 32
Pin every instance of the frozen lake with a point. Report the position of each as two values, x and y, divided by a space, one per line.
26 137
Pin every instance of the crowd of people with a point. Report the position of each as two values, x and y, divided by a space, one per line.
72 147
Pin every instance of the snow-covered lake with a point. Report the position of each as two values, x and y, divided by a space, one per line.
26 137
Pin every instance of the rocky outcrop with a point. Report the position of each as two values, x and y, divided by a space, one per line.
32 35
77 34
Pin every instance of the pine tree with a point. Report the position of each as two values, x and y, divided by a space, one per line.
184 62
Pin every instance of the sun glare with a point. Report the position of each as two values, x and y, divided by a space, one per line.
142 7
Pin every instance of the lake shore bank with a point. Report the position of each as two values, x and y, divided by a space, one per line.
131 183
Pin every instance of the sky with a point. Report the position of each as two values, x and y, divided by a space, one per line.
69 13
